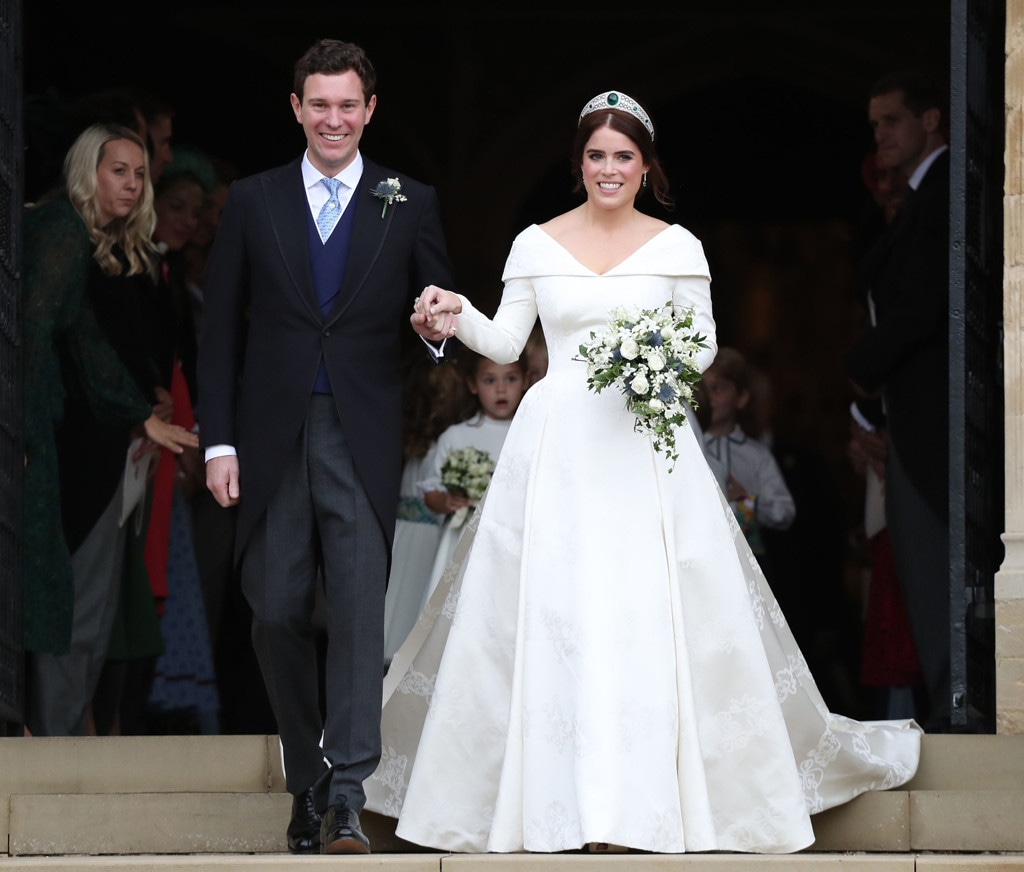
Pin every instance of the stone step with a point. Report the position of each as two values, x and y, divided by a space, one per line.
224 795
228 764
145 764
970 762
527 863
187 823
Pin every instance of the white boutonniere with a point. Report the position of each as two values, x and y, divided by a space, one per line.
389 190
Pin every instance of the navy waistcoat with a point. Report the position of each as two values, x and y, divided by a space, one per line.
328 260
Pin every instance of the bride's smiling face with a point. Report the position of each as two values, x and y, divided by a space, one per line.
612 168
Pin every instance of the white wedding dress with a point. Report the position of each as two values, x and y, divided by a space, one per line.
603 660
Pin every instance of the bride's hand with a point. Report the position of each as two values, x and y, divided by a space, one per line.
434 313
435 300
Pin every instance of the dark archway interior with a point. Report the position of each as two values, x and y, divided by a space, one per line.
761 117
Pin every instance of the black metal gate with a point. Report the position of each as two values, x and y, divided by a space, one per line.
976 479
11 453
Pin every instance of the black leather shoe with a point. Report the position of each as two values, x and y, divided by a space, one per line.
340 832
304 827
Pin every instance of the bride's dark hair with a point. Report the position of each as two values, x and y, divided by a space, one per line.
632 127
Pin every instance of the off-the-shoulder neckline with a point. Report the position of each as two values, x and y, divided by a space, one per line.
626 259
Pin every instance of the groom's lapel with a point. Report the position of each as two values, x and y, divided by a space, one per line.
287 207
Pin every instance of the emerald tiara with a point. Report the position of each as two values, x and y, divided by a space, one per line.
622 102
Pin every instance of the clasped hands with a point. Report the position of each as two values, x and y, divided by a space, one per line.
434 313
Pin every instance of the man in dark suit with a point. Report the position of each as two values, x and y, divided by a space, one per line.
308 292
904 356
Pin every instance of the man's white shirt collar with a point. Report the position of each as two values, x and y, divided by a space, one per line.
918 174
317 193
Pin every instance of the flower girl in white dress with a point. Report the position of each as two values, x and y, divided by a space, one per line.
435 398
497 390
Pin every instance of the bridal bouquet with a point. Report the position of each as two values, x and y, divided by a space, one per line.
466 471
648 354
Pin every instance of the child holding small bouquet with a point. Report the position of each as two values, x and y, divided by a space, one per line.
435 398
459 466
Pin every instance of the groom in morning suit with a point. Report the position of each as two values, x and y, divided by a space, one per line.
308 293
904 357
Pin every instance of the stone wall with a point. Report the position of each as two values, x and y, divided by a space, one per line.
1010 578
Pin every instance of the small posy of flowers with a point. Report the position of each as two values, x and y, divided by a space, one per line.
467 472
389 190
649 355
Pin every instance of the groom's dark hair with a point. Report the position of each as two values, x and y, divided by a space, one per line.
332 57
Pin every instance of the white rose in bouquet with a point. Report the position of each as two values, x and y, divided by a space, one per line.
629 349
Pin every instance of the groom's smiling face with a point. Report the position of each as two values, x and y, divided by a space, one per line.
333 112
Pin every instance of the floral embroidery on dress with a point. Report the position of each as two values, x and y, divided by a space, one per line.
762 826
561 634
564 733
417 684
664 833
734 728
391 774
786 680
555 831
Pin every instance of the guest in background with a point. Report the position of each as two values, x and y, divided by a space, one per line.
93 232
197 249
159 116
181 694
889 664
755 487
435 398
141 630
903 358
808 557
495 391
110 106
243 705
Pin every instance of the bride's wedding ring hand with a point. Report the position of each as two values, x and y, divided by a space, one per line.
431 322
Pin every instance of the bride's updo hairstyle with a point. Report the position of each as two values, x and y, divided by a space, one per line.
632 123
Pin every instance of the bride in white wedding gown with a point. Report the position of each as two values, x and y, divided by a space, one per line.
603 661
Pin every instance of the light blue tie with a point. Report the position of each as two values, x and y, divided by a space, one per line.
331 210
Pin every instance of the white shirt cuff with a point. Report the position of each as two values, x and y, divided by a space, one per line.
220 451
436 351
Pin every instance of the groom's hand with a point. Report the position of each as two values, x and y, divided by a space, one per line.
426 329
222 479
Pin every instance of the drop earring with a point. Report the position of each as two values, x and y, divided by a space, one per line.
643 182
